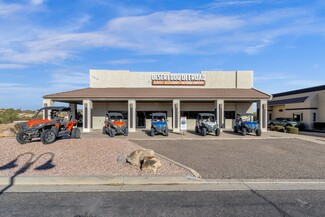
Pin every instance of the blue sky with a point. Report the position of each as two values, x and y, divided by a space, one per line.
48 46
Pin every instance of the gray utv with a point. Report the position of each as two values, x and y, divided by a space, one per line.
206 123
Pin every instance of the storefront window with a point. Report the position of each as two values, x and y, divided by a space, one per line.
230 115
193 114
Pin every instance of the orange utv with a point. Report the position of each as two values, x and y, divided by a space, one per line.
115 124
59 124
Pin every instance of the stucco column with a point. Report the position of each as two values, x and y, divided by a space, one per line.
73 107
262 114
219 108
87 115
47 103
132 116
176 115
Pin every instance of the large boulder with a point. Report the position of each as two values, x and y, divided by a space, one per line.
134 158
147 153
150 165
9 132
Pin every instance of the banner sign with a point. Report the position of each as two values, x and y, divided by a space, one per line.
178 79
183 123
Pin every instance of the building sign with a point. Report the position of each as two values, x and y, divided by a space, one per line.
183 123
178 79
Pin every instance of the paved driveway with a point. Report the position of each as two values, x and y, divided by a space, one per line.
262 158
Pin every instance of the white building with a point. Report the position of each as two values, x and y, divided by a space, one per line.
138 94
305 105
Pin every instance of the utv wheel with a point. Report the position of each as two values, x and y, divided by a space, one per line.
111 133
75 133
166 132
235 129
218 132
196 129
152 132
20 138
244 131
104 130
48 137
258 132
204 131
126 132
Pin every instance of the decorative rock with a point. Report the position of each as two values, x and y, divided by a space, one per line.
147 153
134 158
122 159
10 132
151 165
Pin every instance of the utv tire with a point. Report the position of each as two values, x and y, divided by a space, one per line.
20 138
166 132
75 133
104 130
152 132
196 129
218 132
235 129
48 137
258 132
111 133
126 132
243 131
204 131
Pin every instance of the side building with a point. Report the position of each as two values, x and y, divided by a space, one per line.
305 105
138 94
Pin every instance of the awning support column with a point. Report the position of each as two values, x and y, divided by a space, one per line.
219 110
176 115
73 107
47 103
132 117
262 114
87 115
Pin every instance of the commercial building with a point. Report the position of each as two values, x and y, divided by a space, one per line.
138 94
305 105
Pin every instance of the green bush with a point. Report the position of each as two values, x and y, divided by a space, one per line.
293 130
8 116
277 128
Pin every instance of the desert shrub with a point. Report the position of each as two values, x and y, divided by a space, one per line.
8 116
293 130
272 128
279 128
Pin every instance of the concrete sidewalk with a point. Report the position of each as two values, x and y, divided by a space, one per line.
190 135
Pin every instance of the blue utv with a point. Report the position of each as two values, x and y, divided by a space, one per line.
245 124
159 124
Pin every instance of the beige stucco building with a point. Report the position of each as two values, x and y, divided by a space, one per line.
138 94
305 105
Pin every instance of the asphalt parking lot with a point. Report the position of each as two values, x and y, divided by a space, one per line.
246 159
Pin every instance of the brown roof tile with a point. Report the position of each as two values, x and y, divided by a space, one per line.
160 93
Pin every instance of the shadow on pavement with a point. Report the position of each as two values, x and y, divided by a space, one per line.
13 164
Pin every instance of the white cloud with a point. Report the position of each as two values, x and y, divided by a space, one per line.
6 9
12 66
131 61
164 32
36 2
227 3
70 78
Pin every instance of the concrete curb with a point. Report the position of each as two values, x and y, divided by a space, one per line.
143 180
196 174
161 184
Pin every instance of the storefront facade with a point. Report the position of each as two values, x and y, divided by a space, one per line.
138 94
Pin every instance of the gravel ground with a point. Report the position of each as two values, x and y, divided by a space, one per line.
262 158
82 157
